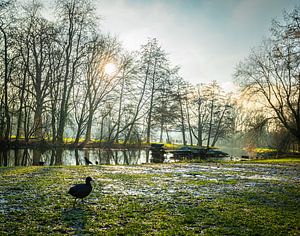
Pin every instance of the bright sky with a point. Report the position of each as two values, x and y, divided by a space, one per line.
207 38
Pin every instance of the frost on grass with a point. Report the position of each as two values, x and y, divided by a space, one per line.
200 198
194 179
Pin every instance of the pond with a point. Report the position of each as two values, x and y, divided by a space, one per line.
59 156
85 156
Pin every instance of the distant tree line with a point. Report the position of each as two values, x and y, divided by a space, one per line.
55 83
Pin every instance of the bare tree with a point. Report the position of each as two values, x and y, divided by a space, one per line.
165 110
158 68
5 21
99 83
127 73
181 94
77 19
272 71
39 39
141 88
200 113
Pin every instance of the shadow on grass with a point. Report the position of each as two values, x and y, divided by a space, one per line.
76 218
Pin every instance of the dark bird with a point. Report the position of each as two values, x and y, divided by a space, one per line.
81 190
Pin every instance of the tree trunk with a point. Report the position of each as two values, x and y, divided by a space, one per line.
66 87
81 120
127 138
182 122
19 122
38 122
217 134
78 134
200 127
120 108
161 130
151 104
210 124
6 109
22 97
189 122
89 126
168 136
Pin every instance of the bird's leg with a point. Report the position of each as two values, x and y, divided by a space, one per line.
74 202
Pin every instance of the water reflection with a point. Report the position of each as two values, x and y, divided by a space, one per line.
60 156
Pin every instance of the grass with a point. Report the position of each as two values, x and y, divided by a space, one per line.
157 199
278 160
264 150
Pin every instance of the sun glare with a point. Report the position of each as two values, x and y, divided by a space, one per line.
110 68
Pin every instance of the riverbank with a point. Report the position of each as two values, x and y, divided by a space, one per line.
68 143
154 199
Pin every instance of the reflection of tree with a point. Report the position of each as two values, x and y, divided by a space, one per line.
62 156
126 157
17 157
37 154
52 158
4 157
59 156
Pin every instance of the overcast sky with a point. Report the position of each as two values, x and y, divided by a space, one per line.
207 38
